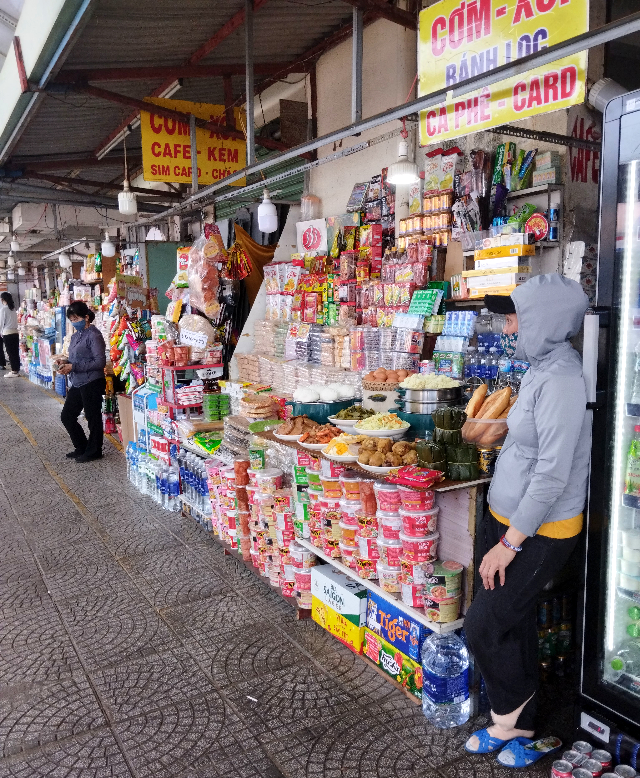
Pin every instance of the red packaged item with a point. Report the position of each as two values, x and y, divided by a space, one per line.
378 295
405 291
362 272
418 477
310 307
347 292
388 274
421 273
388 294
348 261
376 267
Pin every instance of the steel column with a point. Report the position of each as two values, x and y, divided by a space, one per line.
356 66
249 84
194 154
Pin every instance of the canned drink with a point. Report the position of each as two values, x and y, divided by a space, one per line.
575 757
486 459
553 232
625 771
602 756
581 772
553 214
545 614
561 769
594 767
583 747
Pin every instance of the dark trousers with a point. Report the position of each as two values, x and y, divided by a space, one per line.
89 398
12 346
3 361
501 623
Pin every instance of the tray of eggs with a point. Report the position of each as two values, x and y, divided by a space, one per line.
382 380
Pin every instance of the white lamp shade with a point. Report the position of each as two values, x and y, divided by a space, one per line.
267 215
10 275
127 203
65 260
15 246
108 247
11 260
155 233
21 271
403 172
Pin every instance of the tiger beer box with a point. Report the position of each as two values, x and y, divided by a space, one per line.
395 626
339 604
393 662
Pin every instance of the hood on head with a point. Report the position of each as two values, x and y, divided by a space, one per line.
550 310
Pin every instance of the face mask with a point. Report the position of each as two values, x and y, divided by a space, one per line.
508 344
79 325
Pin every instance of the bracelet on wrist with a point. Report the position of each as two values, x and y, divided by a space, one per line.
508 545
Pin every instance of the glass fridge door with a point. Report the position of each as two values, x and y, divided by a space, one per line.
620 666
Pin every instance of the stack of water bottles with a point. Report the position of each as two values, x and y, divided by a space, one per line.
451 346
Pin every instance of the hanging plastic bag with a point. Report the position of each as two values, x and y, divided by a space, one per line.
203 273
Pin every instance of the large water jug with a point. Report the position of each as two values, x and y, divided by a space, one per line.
445 680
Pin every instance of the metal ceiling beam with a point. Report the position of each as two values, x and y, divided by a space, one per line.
626 26
236 21
547 137
70 163
249 81
166 71
99 185
356 65
30 193
390 12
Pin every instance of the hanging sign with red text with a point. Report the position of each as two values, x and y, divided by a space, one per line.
166 145
460 39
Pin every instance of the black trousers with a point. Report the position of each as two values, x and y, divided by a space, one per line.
12 345
3 361
89 398
501 623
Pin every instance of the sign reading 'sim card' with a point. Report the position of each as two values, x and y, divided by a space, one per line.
460 39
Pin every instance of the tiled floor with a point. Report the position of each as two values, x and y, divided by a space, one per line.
132 646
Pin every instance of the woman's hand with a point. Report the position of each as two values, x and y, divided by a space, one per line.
495 561
65 369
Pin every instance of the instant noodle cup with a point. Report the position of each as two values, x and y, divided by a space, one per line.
364 567
331 528
314 481
417 524
285 536
303 580
274 577
253 477
252 492
420 549
230 520
331 548
331 486
388 576
442 611
412 594
444 579
330 510
301 557
288 588
387 496
284 521
367 496
283 500
350 484
390 551
269 480
367 521
303 599
350 509
289 572
389 525
228 475
416 499
347 552
348 534
316 536
368 548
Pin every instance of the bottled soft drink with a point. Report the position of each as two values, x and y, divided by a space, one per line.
627 660
445 680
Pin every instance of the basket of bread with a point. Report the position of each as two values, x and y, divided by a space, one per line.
383 380
486 423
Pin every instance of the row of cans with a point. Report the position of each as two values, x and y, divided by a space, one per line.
582 761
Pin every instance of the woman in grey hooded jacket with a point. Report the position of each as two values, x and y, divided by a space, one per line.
536 501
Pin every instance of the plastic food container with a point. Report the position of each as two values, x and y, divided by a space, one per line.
269 480
420 549
389 525
416 500
390 551
444 579
331 548
485 432
350 510
331 529
330 510
284 521
368 497
350 483
364 567
288 588
442 611
347 552
388 577
252 492
331 486
348 534
367 520
368 548
387 496
418 524
303 580
412 594
301 557
285 536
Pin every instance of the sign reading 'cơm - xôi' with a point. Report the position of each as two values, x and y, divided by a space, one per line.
460 39
166 145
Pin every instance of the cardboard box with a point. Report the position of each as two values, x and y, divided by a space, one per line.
528 250
395 626
338 625
502 279
393 662
492 271
341 593
502 263
547 159
484 290
550 176
516 238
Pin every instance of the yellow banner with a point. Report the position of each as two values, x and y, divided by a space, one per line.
166 145
459 40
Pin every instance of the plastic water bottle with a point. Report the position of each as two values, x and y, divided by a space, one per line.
492 366
470 362
481 365
174 490
445 680
164 487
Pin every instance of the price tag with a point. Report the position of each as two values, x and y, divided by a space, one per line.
196 339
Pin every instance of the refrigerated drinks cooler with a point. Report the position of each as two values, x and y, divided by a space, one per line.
610 678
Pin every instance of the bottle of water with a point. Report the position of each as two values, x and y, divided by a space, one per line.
445 680
470 362
504 372
483 321
481 364
492 367
164 487
174 489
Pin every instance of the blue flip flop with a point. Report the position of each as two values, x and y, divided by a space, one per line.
522 751
486 745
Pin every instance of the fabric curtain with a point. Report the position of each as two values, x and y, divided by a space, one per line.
259 256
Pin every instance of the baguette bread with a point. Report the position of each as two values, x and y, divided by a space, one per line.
493 407
476 401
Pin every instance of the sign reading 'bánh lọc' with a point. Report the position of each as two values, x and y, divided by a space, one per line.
166 145
460 39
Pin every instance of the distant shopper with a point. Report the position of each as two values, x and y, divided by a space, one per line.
536 501
9 334
85 369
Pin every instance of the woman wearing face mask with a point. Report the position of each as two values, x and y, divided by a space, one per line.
85 369
536 500
9 334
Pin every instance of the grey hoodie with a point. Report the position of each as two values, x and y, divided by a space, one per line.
541 473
